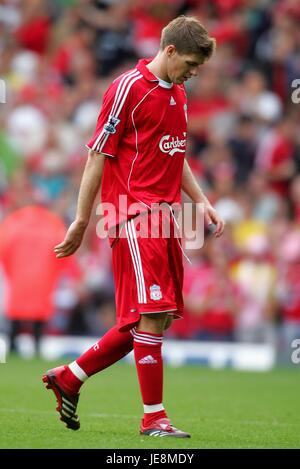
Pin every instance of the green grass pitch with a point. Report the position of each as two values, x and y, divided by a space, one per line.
221 409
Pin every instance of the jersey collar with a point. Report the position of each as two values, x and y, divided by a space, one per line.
141 66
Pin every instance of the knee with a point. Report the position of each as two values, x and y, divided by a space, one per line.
154 323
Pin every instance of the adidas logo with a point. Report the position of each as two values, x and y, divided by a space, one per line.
172 101
148 360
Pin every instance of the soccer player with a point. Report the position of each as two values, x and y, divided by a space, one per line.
138 151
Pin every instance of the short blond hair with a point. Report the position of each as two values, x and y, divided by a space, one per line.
189 36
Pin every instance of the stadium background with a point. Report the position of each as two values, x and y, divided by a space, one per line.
57 59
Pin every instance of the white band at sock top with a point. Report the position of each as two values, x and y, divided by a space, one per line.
77 371
149 409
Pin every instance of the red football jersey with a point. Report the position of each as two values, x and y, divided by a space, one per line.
142 128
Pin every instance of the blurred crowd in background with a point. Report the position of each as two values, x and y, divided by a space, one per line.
57 59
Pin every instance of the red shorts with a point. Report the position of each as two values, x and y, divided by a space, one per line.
148 275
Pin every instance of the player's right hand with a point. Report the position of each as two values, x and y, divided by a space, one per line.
72 240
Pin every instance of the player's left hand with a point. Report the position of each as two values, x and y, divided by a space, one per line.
212 217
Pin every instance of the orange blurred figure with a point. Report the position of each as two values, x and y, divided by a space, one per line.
31 270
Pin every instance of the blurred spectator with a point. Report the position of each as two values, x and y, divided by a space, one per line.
110 20
255 274
278 46
211 298
276 153
295 197
257 101
34 28
266 202
27 129
242 144
289 292
27 239
148 20
206 101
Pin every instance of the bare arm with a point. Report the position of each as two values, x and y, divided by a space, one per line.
191 187
90 184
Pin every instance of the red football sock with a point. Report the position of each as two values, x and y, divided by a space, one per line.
149 365
113 346
150 417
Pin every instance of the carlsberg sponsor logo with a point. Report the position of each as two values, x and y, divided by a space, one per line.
171 145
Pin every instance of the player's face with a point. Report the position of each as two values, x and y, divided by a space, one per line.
181 67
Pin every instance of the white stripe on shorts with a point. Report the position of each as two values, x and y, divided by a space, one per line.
137 264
